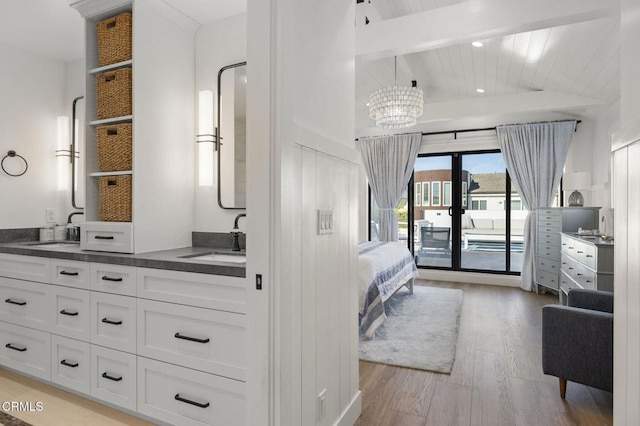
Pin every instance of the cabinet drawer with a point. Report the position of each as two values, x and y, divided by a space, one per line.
116 279
72 314
70 363
180 396
547 279
549 250
70 273
585 277
29 268
203 290
549 265
25 303
26 350
550 226
204 339
113 376
113 237
546 215
567 283
549 238
113 321
586 254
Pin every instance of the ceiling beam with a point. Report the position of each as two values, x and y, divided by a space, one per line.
503 105
473 20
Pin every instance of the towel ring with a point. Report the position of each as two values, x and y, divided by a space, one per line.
13 154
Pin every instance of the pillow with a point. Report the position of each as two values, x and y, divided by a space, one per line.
481 223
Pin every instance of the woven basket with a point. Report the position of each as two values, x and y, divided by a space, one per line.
114 202
114 39
114 147
113 93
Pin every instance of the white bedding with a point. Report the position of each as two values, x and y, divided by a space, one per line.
382 269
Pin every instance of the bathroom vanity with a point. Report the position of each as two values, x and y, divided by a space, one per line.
160 334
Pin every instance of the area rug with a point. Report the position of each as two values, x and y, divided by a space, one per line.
7 420
421 330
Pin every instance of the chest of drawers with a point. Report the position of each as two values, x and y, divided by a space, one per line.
586 262
550 222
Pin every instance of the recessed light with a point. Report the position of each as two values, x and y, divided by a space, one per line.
480 90
477 44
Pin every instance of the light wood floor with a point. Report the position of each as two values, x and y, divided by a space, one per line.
60 408
497 377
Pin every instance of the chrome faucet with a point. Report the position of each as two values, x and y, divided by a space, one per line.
236 233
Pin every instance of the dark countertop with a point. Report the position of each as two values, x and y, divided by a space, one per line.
164 259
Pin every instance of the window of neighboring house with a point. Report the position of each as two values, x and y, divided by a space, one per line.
516 204
435 193
464 194
419 194
478 204
425 193
446 193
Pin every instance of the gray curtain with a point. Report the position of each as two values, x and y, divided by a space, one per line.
388 162
535 155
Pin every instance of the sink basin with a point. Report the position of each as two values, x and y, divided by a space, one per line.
239 258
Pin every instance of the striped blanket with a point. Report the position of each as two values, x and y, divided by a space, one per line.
382 269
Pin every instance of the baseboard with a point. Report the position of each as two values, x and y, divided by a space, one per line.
470 277
352 412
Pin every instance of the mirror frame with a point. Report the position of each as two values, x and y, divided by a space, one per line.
219 134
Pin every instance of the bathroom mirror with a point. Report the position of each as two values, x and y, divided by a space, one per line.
232 150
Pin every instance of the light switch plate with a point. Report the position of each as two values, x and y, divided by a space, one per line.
325 222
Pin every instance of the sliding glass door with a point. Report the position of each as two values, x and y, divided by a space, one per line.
466 215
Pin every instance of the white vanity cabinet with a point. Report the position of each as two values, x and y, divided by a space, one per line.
167 344
25 312
162 119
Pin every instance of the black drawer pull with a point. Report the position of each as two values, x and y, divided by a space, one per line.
116 280
15 348
580 252
108 321
102 237
71 314
188 401
193 339
589 255
588 281
570 248
16 302
115 379
71 274
69 364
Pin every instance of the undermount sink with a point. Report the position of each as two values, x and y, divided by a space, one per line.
226 257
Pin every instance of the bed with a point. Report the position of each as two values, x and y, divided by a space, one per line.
383 269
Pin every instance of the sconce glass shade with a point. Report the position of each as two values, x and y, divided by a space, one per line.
576 199
205 138
63 153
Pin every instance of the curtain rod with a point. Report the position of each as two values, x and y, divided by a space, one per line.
484 129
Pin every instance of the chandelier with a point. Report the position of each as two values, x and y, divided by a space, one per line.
396 106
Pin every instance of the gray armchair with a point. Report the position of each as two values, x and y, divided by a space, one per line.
577 340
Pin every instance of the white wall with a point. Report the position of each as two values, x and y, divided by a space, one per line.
218 44
33 96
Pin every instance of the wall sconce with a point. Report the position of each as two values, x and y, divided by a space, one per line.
63 150
206 138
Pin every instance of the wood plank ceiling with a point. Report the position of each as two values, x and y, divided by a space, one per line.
580 59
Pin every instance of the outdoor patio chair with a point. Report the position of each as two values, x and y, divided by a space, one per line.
435 238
